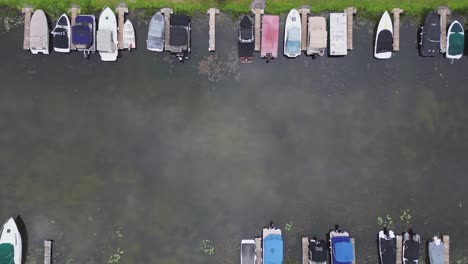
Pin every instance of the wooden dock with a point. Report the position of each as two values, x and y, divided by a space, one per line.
212 12
258 25
399 249
354 249
167 25
305 250
27 11
446 241
304 18
258 250
47 251
121 10
74 11
443 11
396 28
350 12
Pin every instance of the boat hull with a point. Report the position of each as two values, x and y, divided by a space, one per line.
383 47
129 41
156 31
453 32
39 33
108 21
62 29
270 37
430 36
292 34
11 235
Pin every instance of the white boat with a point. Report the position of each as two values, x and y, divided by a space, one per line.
129 35
10 243
317 36
455 41
338 34
156 30
61 35
292 34
107 35
248 251
39 33
383 47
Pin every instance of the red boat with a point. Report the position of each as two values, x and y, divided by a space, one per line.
270 36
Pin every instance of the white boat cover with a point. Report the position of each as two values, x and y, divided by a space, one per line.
104 41
436 252
39 33
338 34
317 35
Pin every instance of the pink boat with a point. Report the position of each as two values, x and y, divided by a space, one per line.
270 36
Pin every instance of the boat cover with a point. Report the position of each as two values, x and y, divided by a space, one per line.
457 40
156 32
319 251
104 41
293 43
7 253
430 38
246 30
39 31
82 31
60 37
317 33
436 253
62 21
342 250
385 41
411 250
178 36
273 249
179 21
248 253
388 250
246 49
270 35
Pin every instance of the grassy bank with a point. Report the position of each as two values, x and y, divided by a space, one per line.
242 6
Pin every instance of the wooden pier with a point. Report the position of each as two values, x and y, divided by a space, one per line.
396 28
354 249
305 250
167 25
27 11
446 241
74 11
305 11
258 25
121 10
258 250
212 12
350 12
443 11
399 249
47 251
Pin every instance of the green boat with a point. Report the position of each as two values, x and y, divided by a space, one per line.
455 41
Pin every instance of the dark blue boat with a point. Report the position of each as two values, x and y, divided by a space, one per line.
84 34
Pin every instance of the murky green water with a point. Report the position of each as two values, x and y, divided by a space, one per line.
146 157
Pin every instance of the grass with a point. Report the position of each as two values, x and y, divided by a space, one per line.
55 7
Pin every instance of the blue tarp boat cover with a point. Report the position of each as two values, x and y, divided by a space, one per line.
342 250
273 249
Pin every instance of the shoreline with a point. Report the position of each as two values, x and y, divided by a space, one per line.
365 8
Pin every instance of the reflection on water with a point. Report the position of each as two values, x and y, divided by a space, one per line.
146 158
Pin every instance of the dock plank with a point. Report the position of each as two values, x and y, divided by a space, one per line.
396 28
212 12
305 250
167 24
350 12
446 240
399 249
121 10
74 11
258 24
258 250
304 18
443 11
27 11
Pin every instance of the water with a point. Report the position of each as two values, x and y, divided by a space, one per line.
146 157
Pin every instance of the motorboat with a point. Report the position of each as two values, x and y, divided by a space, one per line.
39 33
180 37
387 247
246 40
248 251
411 246
107 35
341 247
292 34
437 252
270 37
338 34
156 30
314 251
383 47
272 246
429 46
10 243
317 36
84 34
61 39
455 41
129 40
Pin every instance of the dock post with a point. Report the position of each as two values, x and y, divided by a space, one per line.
212 12
74 11
47 251
27 11
121 9
305 11
305 250
350 12
443 11
399 250
396 28
258 250
167 25
258 24
446 240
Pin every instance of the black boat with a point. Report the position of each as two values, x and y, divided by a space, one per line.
411 245
430 35
246 40
61 35
387 247
180 36
318 251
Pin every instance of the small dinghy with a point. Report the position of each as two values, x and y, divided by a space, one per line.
248 251
107 36
387 247
384 38
455 41
39 33
129 41
292 34
411 245
10 243
341 247
272 245
84 34
61 35
314 251
270 37
317 36
156 31
436 251
246 40
430 35
180 36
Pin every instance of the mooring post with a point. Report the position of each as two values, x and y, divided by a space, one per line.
258 25
396 28
350 12
27 11
167 25
121 9
74 11
212 12
443 11
305 11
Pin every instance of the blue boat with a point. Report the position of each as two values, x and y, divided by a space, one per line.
341 247
272 246
84 34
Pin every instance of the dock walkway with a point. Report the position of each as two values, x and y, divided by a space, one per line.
399 249
350 12
167 25
258 25
305 250
304 18
74 11
27 11
396 28
443 11
121 10
47 251
258 250
212 12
